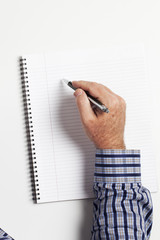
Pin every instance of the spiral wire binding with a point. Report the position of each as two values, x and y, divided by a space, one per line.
29 129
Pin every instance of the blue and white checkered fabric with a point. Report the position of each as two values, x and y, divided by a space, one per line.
122 207
4 235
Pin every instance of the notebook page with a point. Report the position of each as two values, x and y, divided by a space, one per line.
50 175
125 74
65 156
42 129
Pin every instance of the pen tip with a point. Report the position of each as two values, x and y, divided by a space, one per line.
65 81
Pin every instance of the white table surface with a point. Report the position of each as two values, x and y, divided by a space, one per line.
35 26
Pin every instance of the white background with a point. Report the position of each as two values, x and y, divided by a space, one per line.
42 26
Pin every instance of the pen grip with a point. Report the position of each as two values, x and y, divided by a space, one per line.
93 98
87 93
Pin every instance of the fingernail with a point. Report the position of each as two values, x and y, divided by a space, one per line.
77 92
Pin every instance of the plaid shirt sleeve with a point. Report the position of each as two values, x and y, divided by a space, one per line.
122 206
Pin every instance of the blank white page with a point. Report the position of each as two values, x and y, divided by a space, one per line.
65 156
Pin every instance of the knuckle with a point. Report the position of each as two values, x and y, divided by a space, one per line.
93 84
101 85
123 102
118 101
98 87
115 102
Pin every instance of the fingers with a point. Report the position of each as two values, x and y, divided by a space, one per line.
108 90
99 91
95 89
84 106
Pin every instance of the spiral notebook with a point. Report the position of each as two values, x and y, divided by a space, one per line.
62 155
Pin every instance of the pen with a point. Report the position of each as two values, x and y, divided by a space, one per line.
96 102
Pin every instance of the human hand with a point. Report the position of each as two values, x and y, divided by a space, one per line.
105 130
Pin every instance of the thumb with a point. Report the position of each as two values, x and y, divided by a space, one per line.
84 106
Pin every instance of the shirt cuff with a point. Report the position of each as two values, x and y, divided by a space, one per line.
117 166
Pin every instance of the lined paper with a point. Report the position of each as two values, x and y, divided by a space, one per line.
65 156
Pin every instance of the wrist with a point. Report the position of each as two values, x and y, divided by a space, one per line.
111 145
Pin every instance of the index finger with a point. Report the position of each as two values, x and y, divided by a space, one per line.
95 89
